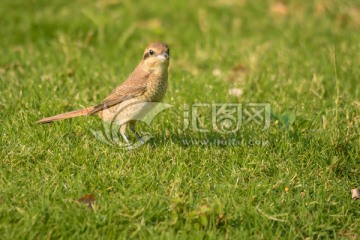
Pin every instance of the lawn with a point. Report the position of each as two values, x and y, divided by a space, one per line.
286 173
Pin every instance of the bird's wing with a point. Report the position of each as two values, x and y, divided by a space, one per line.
134 86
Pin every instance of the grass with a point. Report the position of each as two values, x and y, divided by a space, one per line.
291 181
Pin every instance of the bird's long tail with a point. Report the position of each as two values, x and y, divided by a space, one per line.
66 115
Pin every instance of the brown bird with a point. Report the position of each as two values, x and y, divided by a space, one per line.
147 83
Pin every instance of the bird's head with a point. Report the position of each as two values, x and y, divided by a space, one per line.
156 57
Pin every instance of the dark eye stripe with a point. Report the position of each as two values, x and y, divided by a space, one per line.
151 53
146 55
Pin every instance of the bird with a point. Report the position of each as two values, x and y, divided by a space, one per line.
147 83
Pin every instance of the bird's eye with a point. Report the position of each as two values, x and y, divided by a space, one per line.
151 52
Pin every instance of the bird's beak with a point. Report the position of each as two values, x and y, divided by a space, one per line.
163 57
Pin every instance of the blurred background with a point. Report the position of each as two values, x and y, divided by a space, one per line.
268 49
299 56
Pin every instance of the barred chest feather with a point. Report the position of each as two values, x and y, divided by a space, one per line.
156 88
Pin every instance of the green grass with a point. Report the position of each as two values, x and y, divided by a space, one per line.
64 55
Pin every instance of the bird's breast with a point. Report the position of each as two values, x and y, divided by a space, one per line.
156 88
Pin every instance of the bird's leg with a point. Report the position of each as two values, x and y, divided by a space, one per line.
132 128
122 132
